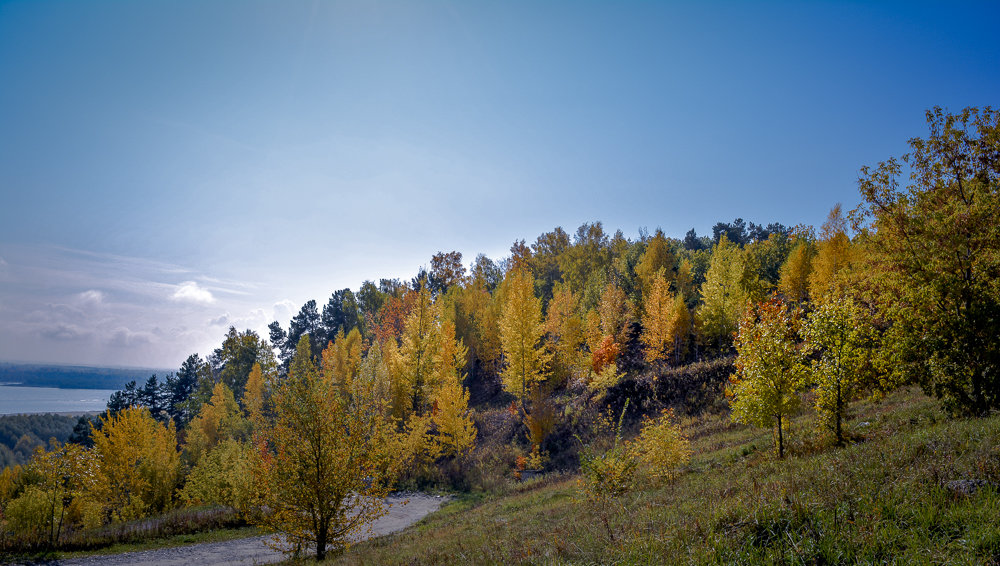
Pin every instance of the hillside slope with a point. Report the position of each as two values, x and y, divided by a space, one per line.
889 497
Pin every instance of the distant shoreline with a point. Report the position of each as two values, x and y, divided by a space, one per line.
57 413
53 386
74 377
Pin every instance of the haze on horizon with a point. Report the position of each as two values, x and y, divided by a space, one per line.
170 169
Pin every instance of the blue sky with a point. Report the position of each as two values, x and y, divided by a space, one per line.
170 168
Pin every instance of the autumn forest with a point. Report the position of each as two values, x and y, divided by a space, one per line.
582 353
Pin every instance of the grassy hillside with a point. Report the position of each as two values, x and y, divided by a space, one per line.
885 498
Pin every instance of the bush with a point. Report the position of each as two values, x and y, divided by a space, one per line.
29 517
661 448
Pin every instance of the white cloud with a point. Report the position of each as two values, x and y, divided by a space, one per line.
3 263
189 291
91 296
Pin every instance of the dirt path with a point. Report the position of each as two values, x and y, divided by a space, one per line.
254 550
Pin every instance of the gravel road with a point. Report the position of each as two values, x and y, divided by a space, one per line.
405 510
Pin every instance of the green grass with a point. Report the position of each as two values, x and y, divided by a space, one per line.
878 500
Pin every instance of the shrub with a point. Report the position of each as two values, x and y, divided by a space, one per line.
29 517
607 476
661 447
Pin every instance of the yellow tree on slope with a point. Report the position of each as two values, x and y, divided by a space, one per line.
566 334
770 369
794 282
723 296
521 332
325 462
679 327
656 320
137 464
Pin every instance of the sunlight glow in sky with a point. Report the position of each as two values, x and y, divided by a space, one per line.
168 169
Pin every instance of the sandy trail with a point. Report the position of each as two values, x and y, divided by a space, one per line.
254 550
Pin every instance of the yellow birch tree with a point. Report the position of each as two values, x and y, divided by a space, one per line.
326 460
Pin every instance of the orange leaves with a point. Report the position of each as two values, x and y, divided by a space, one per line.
605 355
391 318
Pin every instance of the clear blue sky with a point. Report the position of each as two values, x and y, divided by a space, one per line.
170 168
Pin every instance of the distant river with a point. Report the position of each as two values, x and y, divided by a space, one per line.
20 399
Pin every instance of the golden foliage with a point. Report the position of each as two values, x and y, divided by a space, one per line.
724 298
456 434
566 334
342 358
833 256
223 476
419 352
795 272
61 477
657 261
594 336
658 308
254 394
615 310
684 282
324 463
137 465
661 448
428 392
219 419
521 332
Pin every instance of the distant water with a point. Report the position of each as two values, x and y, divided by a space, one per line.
19 399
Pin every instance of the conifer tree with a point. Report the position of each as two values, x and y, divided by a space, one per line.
521 333
658 307
658 256
833 256
795 272
219 419
679 327
615 310
565 331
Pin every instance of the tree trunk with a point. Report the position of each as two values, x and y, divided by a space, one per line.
781 440
321 536
840 410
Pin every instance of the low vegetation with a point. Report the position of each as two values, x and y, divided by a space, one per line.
886 497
